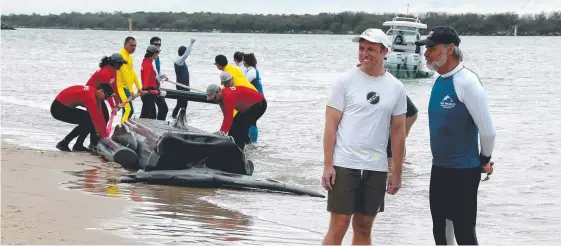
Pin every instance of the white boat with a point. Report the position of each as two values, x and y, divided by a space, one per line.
406 60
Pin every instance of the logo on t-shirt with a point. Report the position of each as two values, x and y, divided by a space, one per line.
372 97
447 102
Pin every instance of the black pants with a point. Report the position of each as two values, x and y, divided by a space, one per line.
242 121
181 102
149 103
453 196
93 137
75 116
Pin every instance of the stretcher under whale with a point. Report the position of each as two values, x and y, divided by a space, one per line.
177 154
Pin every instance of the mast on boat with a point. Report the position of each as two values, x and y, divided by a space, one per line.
130 25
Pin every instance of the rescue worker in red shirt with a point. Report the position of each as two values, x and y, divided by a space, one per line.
151 83
249 103
107 73
89 121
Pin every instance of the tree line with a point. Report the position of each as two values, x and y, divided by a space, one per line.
548 24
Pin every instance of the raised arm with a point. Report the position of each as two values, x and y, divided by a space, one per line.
180 60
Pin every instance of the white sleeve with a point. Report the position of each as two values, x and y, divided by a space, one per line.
471 93
242 68
251 75
337 99
180 60
401 105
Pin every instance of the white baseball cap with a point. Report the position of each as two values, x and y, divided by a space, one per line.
374 35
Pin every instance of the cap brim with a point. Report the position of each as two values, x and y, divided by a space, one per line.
372 40
124 62
425 42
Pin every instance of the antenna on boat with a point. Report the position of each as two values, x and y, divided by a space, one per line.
408 8
130 25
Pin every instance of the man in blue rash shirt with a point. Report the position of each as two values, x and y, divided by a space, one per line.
457 112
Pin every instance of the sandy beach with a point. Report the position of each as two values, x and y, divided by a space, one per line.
35 210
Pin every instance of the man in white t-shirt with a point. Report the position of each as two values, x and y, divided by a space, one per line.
365 103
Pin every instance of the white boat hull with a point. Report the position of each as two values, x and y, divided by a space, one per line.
407 65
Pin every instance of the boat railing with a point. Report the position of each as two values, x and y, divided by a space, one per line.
398 18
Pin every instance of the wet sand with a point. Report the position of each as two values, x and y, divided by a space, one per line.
36 210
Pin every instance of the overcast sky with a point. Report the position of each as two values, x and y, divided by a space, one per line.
278 6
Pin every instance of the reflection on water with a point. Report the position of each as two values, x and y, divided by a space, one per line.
169 215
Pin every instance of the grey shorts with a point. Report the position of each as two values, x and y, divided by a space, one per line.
355 192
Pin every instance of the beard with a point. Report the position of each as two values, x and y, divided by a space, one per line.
436 64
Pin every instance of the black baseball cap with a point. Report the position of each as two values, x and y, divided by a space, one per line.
441 35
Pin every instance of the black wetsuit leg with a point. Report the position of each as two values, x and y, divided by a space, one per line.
181 102
453 196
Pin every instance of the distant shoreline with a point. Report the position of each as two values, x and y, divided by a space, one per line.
257 32
467 24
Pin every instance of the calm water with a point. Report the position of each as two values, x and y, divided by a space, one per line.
519 205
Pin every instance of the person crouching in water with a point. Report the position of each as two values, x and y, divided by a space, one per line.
249 103
89 121
150 83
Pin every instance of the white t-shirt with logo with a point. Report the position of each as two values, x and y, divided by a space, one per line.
367 103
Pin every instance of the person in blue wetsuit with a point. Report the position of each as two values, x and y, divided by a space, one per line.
158 43
458 117
252 75
159 100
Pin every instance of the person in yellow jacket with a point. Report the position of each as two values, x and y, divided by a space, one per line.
126 76
238 78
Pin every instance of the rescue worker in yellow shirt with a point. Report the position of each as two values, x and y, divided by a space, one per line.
239 79
126 76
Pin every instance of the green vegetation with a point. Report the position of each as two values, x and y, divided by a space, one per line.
548 24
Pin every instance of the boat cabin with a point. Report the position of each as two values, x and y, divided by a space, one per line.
403 33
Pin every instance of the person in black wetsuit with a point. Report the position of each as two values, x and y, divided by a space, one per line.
462 139
182 75
410 118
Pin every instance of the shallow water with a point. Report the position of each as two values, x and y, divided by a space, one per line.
519 205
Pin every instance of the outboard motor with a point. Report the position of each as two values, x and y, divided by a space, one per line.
412 62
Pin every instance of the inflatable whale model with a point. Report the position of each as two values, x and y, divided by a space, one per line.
181 155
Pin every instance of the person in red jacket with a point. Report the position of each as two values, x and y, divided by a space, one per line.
249 103
151 83
107 74
89 121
